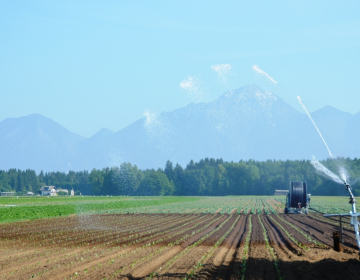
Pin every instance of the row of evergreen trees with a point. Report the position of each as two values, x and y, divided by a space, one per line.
207 177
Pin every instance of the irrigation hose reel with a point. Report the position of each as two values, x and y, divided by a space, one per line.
297 198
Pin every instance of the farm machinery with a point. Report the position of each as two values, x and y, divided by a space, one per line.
297 199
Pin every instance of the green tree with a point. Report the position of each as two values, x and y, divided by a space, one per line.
156 183
4 183
96 180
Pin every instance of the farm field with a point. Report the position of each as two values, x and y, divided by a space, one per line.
28 208
204 238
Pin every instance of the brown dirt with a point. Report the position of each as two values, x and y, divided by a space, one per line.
259 264
186 262
322 231
221 264
93 247
43 254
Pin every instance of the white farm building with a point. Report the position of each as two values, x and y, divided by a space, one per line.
48 190
281 192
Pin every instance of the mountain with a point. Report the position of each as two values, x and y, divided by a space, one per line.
333 125
353 134
246 123
93 152
37 142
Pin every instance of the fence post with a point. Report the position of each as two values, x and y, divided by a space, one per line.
336 237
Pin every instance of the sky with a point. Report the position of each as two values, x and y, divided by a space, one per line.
94 64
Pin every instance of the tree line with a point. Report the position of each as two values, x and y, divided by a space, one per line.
208 177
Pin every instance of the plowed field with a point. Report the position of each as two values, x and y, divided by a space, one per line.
175 246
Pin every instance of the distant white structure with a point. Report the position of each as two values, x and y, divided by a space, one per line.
48 190
30 193
7 193
281 192
72 193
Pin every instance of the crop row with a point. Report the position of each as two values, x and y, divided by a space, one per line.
270 249
176 237
207 205
110 241
245 251
100 252
68 237
56 210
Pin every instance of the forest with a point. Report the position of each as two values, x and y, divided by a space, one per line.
208 177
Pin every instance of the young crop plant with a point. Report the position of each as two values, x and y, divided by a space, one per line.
258 206
183 238
107 243
304 234
186 250
210 253
281 200
267 207
271 250
330 221
289 235
159 250
245 252
270 207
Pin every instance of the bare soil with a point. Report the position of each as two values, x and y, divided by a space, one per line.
139 246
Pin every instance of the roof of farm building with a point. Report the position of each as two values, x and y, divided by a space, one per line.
48 188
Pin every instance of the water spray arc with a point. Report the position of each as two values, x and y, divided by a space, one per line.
342 180
324 171
307 112
338 179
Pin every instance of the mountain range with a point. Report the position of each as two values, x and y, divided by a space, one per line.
242 124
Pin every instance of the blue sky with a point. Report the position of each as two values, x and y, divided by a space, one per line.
94 64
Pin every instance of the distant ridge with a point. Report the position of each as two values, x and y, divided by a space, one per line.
246 123
36 142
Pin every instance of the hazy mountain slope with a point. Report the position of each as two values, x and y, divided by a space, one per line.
93 152
37 142
333 125
247 123
353 136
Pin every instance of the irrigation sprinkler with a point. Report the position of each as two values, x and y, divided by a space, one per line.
353 220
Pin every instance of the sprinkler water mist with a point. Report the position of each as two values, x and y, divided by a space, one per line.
353 220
